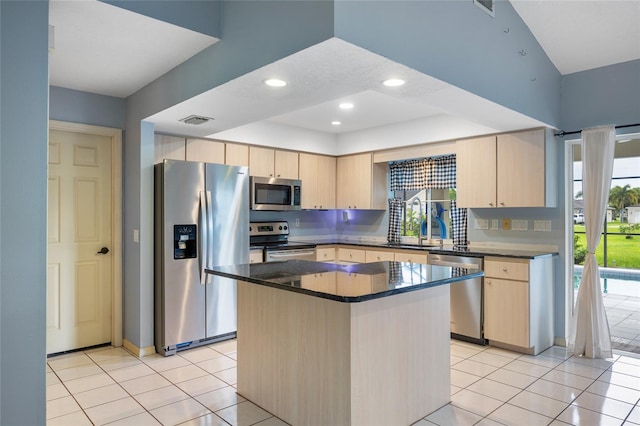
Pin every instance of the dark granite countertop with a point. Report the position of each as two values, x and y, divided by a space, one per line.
345 283
470 252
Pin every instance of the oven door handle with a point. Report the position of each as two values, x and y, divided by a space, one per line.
290 253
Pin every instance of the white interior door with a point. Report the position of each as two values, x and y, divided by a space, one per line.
79 270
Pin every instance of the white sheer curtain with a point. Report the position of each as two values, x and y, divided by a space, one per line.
589 333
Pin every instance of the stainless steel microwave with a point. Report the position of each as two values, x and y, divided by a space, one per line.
268 193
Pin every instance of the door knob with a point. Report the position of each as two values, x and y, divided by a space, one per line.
103 250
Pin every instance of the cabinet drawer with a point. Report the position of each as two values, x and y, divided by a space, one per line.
411 257
351 255
378 256
255 256
510 270
326 254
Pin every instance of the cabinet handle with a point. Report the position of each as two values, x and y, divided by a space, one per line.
491 204
488 282
502 203
504 269
278 175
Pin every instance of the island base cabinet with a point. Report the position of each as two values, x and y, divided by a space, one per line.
314 361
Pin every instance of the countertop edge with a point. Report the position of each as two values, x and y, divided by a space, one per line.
474 252
346 299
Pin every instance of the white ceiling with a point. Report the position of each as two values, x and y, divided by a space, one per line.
94 52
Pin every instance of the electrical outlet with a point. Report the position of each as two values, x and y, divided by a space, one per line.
494 224
297 222
520 225
481 223
506 224
542 225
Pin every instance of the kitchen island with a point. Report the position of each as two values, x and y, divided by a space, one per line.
361 344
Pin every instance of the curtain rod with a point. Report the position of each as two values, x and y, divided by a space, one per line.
563 133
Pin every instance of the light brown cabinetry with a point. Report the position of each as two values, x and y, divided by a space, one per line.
518 303
378 256
236 154
351 255
255 256
205 150
360 183
326 254
169 148
318 176
411 256
507 170
269 162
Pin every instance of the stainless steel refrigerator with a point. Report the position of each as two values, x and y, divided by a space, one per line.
201 220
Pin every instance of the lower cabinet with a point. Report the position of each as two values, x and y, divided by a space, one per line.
326 254
351 255
378 256
411 256
255 256
518 303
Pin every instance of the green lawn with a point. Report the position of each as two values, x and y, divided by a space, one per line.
621 252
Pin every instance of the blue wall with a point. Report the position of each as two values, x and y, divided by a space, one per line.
87 108
23 209
607 95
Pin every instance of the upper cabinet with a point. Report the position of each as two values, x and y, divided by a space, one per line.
168 147
273 163
361 183
507 170
205 150
236 154
318 176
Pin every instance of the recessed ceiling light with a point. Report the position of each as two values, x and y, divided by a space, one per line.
275 82
393 82
346 105
335 123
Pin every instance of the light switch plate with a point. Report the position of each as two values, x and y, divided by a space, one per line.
519 225
482 223
506 224
542 225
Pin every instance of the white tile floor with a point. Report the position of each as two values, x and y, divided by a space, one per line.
489 386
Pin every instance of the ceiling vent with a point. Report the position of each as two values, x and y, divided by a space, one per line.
196 120
486 5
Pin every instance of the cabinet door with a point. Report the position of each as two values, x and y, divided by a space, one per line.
204 150
261 161
255 256
236 154
309 175
476 172
506 311
353 182
521 169
168 147
353 284
318 175
286 164
326 254
326 190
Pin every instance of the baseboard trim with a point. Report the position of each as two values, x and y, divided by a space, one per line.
149 350
560 341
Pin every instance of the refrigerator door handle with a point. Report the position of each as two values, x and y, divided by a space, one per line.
204 246
210 239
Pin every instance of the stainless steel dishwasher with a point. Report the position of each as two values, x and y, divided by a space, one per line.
466 297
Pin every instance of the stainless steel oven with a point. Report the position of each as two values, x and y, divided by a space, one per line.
274 238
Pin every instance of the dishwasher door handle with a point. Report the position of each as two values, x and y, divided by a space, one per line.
292 254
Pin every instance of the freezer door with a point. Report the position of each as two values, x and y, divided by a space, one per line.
228 242
179 304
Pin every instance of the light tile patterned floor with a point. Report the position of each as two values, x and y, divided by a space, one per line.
623 314
489 386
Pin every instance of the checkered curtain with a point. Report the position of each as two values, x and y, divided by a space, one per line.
436 172
408 175
442 172
395 220
458 225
